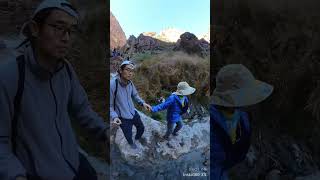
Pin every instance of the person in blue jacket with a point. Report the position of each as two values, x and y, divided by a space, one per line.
177 104
230 129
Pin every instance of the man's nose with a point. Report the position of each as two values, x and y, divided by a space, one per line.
66 37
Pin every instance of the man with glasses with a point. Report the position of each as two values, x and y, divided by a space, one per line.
39 92
122 110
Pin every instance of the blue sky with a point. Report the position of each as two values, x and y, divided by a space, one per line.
137 16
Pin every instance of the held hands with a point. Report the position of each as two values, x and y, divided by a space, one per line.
147 107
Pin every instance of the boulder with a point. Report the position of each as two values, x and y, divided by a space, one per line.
189 43
146 43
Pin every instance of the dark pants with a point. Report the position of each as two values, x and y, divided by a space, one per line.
170 126
126 127
85 171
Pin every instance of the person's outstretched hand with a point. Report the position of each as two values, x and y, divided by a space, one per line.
147 107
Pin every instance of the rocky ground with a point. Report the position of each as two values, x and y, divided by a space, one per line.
155 149
280 158
159 158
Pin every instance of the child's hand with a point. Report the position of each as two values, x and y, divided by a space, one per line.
147 107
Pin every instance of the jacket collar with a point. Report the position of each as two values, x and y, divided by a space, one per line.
36 68
177 98
122 83
218 117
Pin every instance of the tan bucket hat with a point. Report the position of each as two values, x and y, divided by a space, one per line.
184 89
237 87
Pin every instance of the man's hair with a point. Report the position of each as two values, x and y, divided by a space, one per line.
42 16
40 19
123 66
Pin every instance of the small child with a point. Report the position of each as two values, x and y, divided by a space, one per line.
177 104
230 130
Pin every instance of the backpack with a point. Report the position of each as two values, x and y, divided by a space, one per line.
186 103
18 97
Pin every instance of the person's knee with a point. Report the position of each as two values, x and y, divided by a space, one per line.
180 124
170 127
141 128
139 124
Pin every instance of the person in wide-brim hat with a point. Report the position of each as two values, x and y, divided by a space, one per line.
183 89
230 130
177 104
237 87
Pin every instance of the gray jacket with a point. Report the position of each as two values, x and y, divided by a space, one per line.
45 142
123 106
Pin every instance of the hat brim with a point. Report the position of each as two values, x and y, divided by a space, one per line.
186 92
24 30
243 97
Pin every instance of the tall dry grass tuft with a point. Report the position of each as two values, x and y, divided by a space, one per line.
159 75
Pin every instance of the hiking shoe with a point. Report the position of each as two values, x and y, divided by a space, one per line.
133 146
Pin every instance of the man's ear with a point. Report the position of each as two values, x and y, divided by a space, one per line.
34 28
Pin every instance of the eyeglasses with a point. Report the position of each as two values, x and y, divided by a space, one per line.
61 30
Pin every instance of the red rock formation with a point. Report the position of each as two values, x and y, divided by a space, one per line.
117 36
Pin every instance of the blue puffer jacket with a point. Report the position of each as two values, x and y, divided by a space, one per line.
174 106
224 154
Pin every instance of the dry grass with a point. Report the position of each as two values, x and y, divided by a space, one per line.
158 75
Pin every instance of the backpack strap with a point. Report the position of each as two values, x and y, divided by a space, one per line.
115 95
17 100
180 105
